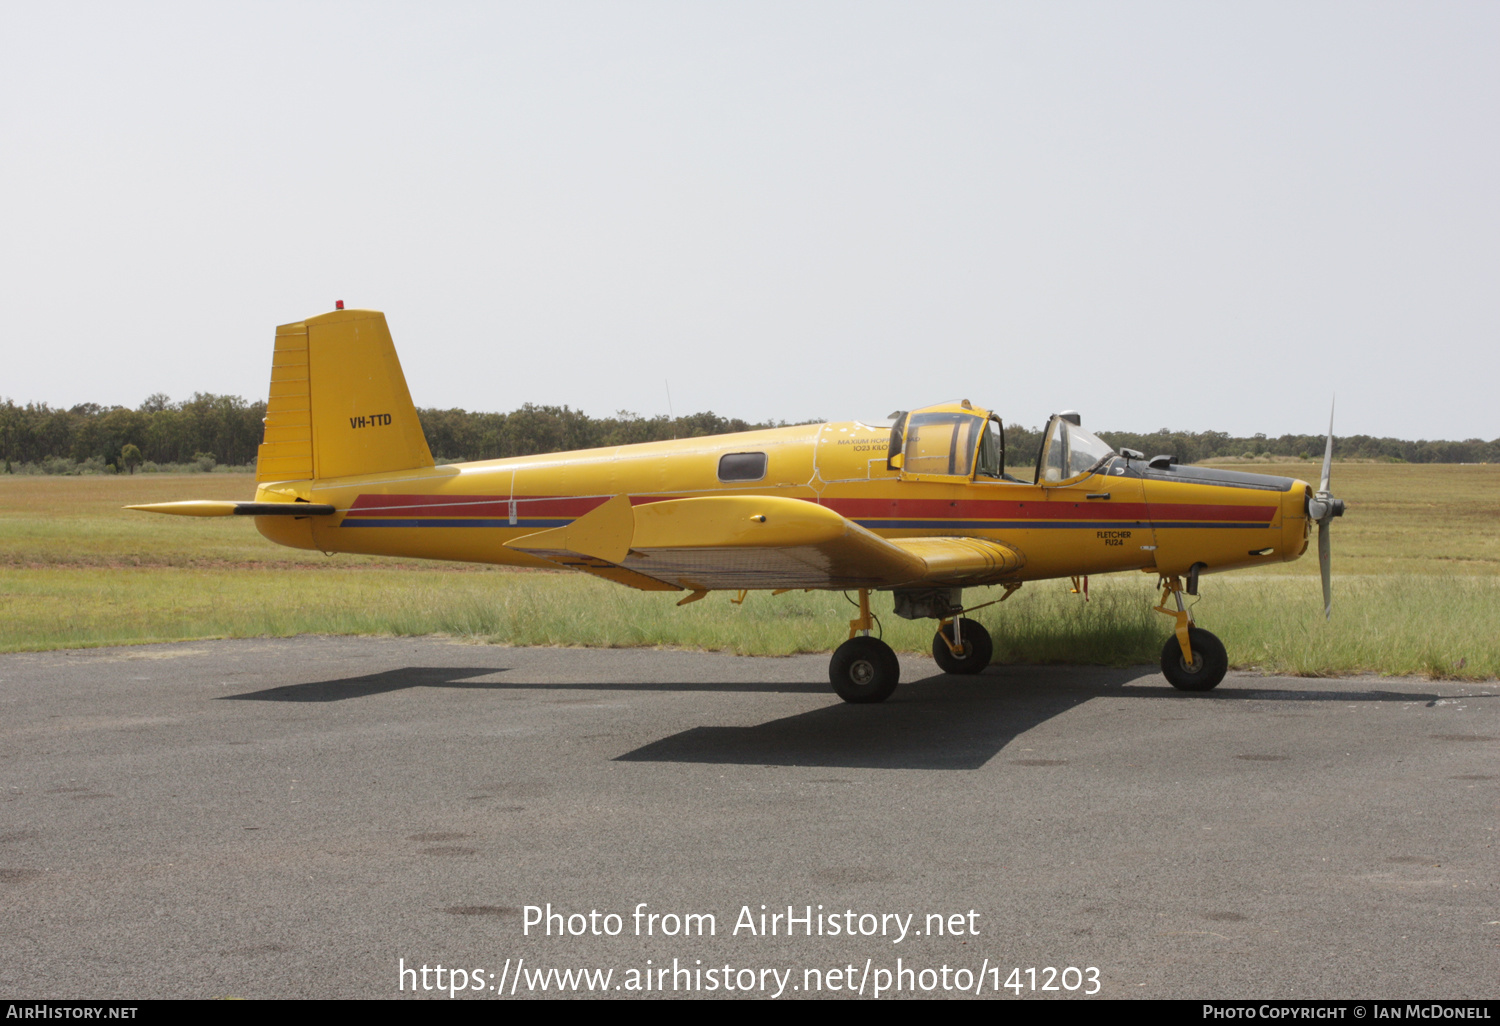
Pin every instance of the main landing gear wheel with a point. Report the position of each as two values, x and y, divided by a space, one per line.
974 653
1210 662
864 669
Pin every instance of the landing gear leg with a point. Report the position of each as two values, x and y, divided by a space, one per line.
864 669
1192 659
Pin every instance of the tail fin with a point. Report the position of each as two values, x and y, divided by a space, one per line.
339 404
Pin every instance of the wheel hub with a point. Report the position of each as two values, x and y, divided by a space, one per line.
862 672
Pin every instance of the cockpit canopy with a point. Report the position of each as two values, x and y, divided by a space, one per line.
957 440
1068 451
948 440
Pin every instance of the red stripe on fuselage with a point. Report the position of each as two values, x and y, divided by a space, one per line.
1196 511
491 506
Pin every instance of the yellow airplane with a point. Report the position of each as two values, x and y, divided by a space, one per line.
923 508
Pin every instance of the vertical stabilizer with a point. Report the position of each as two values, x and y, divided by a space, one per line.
339 405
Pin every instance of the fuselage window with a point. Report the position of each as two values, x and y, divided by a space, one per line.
742 466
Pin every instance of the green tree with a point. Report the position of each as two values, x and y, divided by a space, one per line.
130 457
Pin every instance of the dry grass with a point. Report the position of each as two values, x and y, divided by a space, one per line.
1417 579
1407 518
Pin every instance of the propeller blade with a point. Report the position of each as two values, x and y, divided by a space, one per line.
1325 554
1327 453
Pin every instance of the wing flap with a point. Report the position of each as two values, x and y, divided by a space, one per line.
596 567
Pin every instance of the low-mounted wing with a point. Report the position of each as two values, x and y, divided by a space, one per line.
747 541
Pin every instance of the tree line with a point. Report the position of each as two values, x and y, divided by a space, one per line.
225 430
1194 447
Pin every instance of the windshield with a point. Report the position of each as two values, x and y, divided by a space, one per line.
1070 451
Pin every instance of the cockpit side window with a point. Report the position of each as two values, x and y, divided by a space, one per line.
1054 452
991 461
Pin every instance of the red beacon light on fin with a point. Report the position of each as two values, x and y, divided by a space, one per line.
338 304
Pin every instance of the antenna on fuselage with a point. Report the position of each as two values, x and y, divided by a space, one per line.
664 381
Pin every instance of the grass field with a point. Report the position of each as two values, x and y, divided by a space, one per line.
1416 578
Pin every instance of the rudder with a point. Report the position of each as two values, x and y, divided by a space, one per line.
339 405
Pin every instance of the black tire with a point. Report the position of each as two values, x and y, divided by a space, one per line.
864 669
978 649
1210 662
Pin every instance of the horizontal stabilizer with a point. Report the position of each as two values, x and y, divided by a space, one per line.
223 508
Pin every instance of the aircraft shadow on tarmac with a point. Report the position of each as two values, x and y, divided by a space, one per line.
941 722
937 723
371 684
458 677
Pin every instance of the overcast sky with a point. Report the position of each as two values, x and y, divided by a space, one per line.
1189 215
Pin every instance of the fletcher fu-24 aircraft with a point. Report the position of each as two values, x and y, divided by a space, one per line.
924 508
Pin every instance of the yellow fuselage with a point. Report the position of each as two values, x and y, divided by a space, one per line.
1126 517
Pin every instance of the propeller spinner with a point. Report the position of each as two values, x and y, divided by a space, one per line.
1322 507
